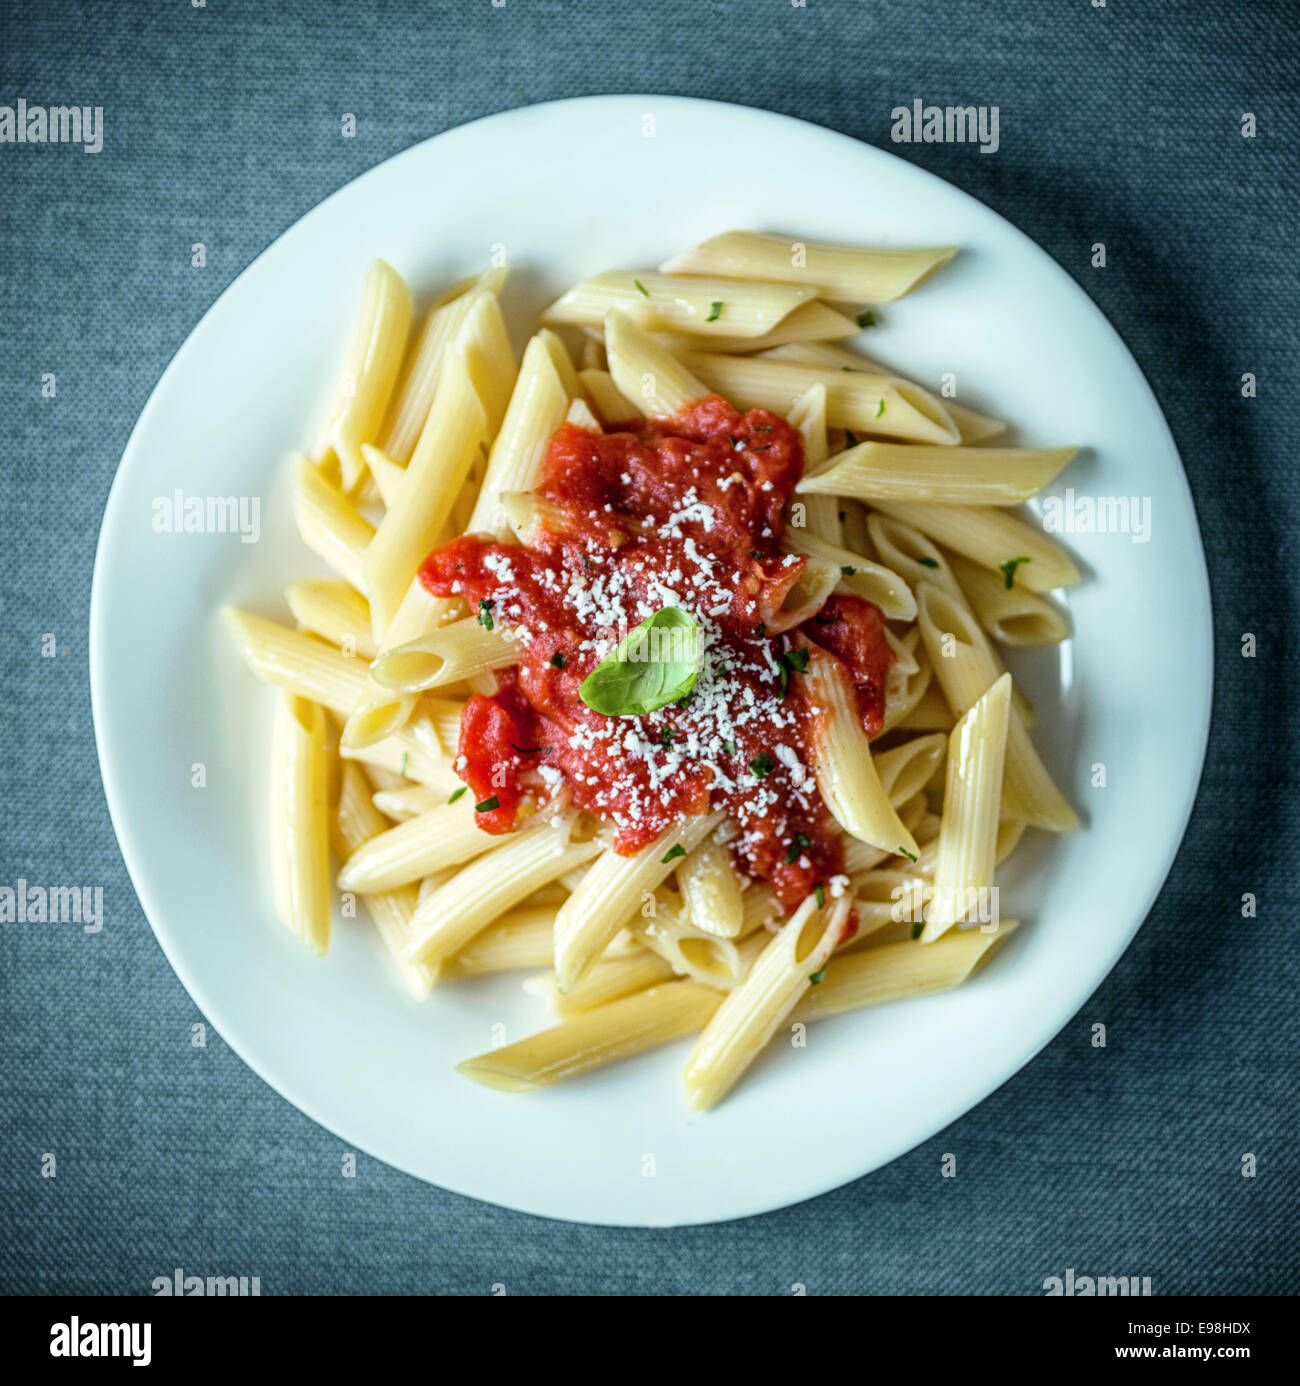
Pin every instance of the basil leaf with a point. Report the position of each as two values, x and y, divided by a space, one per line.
655 665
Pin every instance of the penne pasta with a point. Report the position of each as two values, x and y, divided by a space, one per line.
842 762
966 667
330 524
334 610
445 656
963 871
299 822
992 538
956 475
1011 615
357 821
711 891
596 1037
696 306
896 971
839 272
866 403
611 893
644 372
751 1014
860 576
370 368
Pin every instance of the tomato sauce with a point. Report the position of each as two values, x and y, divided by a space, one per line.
686 512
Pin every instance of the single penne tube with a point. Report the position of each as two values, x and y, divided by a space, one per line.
645 373
296 662
447 655
1011 615
445 836
380 711
330 525
818 516
356 822
973 426
369 371
860 857
844 273
596 1037
906 769
895 971
464 410
612 891
538 404
968 832
334 610
813 321
753 1011
711 890
696 306
862 577
385 471
805 597
402 754
930 712
904 691
608 979
521 939
957 475
842 760
299 821
401 801
413 395
991 537
966 667
493 884
665 928
605 398
865 403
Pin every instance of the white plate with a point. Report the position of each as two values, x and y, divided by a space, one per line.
568 189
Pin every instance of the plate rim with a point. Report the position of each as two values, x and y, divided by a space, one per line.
135 858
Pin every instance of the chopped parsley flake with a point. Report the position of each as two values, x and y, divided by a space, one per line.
675 851
715 310
488 805
816 977
1009 570
456 793
867 319
928 562
797 847
485 614
558 660
642 287
762 765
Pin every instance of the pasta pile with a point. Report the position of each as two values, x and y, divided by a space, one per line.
906 502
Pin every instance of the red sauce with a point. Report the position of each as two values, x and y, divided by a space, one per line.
684 512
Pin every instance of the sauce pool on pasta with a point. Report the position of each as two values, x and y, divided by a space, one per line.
686 512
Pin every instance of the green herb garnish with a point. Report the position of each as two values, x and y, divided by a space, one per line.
762 765
485 614
675 851
816 977
903 852
798 844
488 805
917 930
654 665
558 660
867 319
929 562
715 310
880 408
820 892
456 793
642 287
729 747
406 760
847 570
1009 570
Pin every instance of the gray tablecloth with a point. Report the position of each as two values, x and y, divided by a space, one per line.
1121 123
